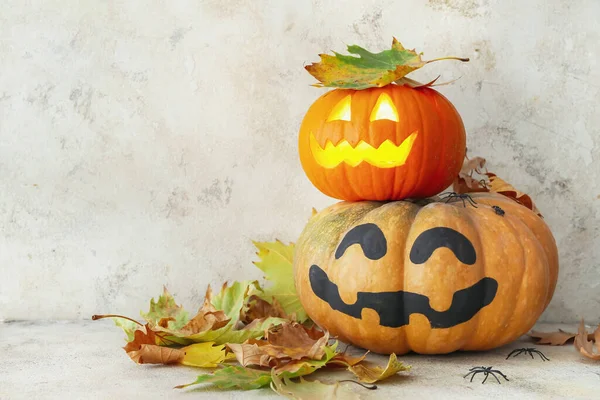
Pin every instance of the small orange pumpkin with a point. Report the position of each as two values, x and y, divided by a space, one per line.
386 143
399 276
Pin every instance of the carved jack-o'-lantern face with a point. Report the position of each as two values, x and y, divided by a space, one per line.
381 144
398 276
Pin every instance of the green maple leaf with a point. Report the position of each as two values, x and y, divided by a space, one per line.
230 300
368 69
166 307
276 261
311 389
129 327
234 376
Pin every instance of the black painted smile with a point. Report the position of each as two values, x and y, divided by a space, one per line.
395 308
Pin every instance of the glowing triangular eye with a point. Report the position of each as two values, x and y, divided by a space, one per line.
342 110
384 109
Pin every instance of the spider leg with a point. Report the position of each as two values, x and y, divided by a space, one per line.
486 376
472 201
520 352
530 353
474 373
494 375
511 353
498 372
542 355
469 373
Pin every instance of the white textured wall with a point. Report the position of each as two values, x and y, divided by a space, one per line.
146 142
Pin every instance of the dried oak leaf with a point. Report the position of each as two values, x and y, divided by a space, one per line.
585 345
367 69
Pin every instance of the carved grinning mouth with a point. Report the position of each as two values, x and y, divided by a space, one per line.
387 155
395 308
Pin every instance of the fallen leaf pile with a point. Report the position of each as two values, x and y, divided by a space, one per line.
588 344
473 178
369 69
264 330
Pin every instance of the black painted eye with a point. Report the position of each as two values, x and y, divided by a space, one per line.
432 239
369 237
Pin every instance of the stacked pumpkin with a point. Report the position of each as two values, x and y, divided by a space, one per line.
390 268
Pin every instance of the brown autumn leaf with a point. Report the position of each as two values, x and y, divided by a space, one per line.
500 186
557 338
154 354
285 342
345 360
145 347
465 183
145 335
250 353
585 345
296 339
371 373
259 308
208 317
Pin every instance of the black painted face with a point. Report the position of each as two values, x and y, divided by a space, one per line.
395 308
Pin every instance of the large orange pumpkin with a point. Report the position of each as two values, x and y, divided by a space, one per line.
386 143
435 278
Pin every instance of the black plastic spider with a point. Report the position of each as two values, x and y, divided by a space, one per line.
461 196
498 211
528 350
487 371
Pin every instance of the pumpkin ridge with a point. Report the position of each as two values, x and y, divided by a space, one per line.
477 338
374 185
523 230
425 143
471 219
501 335
442 158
